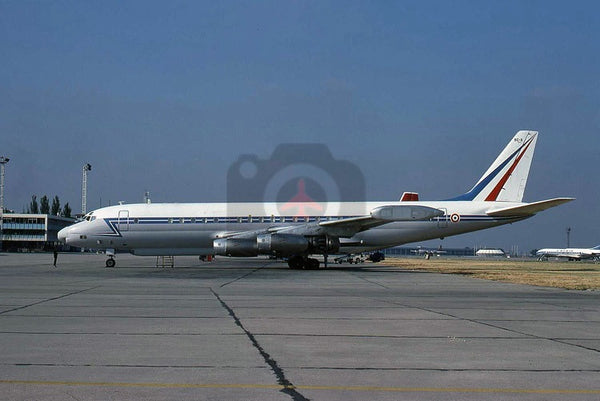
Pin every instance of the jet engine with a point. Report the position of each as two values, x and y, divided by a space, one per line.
235 247
324 244
276 244
281 244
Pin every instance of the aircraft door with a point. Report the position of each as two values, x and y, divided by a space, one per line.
442 221
123 220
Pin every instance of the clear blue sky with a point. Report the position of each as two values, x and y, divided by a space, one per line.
422 95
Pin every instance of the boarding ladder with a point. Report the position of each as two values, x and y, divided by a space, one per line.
165 261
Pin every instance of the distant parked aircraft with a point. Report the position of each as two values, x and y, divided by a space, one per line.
569 253
428 252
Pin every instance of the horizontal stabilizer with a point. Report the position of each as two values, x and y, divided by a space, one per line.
529 209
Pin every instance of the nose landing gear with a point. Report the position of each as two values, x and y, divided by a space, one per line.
110 262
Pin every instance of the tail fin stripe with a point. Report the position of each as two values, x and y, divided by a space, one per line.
496 191
469 196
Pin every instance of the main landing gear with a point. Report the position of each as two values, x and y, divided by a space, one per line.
302 262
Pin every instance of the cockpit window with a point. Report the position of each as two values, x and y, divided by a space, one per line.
88 217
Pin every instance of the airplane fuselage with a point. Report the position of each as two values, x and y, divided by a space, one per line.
569 253
296 230
191 228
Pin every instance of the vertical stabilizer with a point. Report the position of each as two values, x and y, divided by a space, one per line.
506 178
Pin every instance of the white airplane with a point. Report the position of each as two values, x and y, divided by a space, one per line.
332 228
428 252
569 253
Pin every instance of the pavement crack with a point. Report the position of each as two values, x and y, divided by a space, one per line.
369 281
243 276
50 299
495 326
287 386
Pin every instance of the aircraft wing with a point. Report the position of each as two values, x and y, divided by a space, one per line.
379 216
347 227
528 209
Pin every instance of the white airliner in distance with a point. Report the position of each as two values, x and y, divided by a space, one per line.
569 253
337 228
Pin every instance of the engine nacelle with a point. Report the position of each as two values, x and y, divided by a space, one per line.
324 244
281 244
235 247
276 244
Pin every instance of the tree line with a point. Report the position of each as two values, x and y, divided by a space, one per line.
44 207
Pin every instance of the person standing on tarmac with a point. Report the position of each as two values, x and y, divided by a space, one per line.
55 257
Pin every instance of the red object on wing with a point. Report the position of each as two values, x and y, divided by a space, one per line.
409 197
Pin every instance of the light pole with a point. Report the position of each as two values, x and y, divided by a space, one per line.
3 161
87 167
568 237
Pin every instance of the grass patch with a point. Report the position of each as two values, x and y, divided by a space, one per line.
569 275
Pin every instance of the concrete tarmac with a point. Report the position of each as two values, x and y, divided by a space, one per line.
252 329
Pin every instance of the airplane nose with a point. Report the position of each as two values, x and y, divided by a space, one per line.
62 235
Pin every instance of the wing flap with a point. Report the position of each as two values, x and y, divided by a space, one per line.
529 209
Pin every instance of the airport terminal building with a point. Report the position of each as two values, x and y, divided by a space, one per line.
32 232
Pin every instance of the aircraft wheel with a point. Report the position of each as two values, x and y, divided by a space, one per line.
296 262
311 264
110 263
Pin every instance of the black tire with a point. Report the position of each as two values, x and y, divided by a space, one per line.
296 262
110 262
311 264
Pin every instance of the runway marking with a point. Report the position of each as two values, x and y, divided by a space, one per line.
308 387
